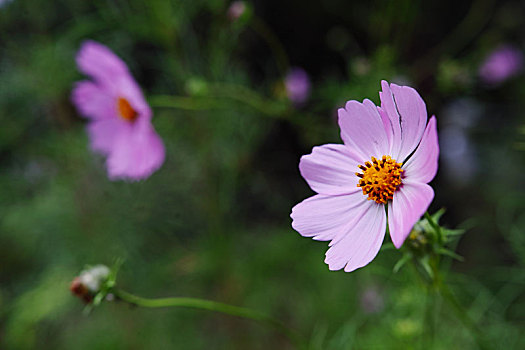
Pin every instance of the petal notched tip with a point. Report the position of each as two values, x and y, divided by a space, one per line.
385 86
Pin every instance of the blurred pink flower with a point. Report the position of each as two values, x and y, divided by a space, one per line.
297 85
119 117
501 64
236 10
389 155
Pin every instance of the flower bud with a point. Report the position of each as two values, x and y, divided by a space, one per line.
79 290
417 240
89 282
501 64
297 84
196 87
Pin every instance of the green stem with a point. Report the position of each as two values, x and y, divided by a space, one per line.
261 28
251 99
218 92
245 95
438 286
463 316
209 305
479 14
185 103
428 339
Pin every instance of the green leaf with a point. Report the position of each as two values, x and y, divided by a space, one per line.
438 214
426 266
444 251
401 262
457 232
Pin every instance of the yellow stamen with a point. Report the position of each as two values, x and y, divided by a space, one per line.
125 110
380 179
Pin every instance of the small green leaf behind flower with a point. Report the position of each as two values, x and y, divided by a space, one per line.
426 243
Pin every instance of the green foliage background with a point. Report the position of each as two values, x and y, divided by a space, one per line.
213 222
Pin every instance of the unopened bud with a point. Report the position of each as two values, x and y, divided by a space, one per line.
417 239
89 282
196 86
94 277
80 290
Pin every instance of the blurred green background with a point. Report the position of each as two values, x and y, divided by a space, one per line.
214 222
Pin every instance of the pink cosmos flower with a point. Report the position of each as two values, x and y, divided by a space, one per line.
388 157
119 117
501 64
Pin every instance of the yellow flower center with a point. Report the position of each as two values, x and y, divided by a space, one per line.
380 179
125 110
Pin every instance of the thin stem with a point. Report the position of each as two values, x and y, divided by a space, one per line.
471 25
250 97
459 310
185 103
218 94
462 315
215 306
429 320
261 28
215 100
438 286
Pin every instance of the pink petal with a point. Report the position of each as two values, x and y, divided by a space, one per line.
94 102
325 217
136 154
423 164
388 127
361 240
362 129
112 75
130 90
330 169
410 202
103 133
390 118
407 115
100 62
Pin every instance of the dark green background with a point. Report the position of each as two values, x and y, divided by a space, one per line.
213 222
